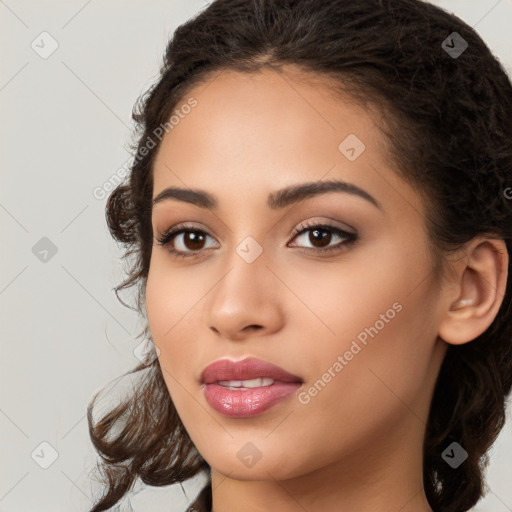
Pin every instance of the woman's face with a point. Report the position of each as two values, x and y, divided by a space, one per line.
348 307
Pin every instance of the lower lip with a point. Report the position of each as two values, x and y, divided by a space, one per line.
247 402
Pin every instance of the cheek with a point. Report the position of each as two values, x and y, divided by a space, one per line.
361 296
368 392
380 365
170 304
172 295
373 342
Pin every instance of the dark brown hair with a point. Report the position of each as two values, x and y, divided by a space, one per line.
448 122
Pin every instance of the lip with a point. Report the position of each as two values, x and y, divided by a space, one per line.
248 368
246 402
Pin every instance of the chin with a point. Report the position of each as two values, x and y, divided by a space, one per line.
247 462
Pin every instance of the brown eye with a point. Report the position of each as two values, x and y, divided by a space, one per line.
185 241
193 240
319 238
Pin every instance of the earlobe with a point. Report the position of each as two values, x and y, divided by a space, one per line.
481 278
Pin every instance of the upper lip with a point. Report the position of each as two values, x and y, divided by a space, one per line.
248 368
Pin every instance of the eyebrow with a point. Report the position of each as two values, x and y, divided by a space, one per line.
276 200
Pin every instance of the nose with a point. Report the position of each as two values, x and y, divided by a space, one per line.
246 302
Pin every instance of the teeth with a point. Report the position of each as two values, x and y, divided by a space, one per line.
250 383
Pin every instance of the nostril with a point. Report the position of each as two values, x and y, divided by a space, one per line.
252 329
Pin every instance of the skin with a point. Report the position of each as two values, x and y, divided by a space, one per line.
357 444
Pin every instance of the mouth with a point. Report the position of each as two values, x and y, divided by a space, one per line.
243 389
246 384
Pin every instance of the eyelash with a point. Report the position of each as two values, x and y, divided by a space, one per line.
169 235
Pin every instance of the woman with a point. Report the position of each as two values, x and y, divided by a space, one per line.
319 216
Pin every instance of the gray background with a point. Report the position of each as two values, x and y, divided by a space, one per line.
66 126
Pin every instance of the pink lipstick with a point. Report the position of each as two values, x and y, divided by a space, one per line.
246 388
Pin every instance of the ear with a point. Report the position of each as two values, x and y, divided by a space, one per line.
476 292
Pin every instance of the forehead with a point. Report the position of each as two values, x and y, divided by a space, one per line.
250 133
266 117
